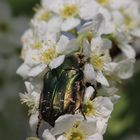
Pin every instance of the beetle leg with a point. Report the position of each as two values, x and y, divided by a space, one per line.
38 126
82 112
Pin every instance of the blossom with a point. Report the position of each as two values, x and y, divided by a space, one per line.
73 128
100 108
40 55
93 38
31 99
99 58
72 11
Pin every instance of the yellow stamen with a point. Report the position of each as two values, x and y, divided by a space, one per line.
103 2
128 21
48 55
88 108
45 16
97 61
75 134
36 45
69 11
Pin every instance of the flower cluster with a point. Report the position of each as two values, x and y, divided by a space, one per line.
101 32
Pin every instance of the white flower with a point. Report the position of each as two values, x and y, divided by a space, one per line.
73 126
33 121
49 53
72 11
89 28
89 92
123 69
110 93
31 99
99 58
98 26
100 109
122 41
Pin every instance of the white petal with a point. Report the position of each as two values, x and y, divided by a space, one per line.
100 45
47 135
98 24
96 136
61 138
29 87
64 123
70 23
62 44
53 6
33 121
54 25
35 71
72 46
101 79
89 126
57 62
108 91
89 92
125 69
86 48
89 73
110 67
136 32
66 46
102 125
104 105
96 43
23 70
87 9
128 51
114 99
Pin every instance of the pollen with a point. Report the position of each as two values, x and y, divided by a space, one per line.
103 2
48 55
88 108
75 134
128 21
69 11
89 36
45 16
97 61
36 45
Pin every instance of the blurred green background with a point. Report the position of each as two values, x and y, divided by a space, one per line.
14 20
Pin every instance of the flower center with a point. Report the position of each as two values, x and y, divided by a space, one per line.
128 21
45 16
48 55
75 134
88 108
97 61
36 45
103 2
69 11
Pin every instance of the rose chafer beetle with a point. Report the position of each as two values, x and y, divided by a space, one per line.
63 90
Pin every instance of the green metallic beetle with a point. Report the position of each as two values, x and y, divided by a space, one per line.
63 90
